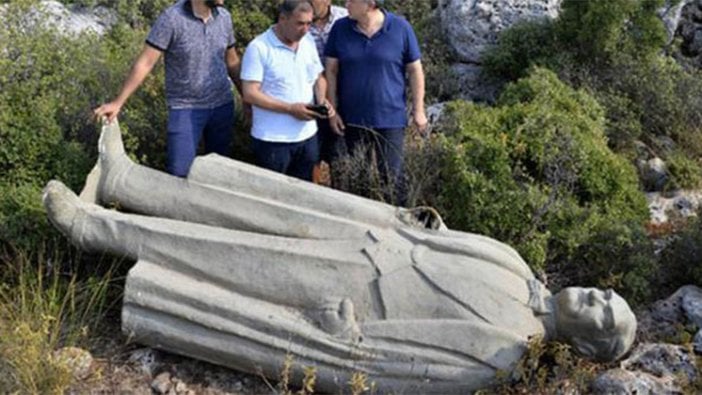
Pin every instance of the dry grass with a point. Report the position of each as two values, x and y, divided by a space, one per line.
358 173
41 311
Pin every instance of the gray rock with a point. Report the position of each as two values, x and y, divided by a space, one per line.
70 20
146 359
662 360
665 317
697 342
472 85
624 382
654 174
690 29
692 304
671 15
435 113
679 205
473 25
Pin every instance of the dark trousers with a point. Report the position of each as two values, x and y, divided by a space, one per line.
187 126
294 159
388 146
330 143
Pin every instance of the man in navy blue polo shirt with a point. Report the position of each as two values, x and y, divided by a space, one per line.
197 39
368 55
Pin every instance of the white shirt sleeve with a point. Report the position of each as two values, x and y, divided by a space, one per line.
252 68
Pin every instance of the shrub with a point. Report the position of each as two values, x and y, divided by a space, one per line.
682 258
613 50
535 172
43 311
521 46
49 85
598 31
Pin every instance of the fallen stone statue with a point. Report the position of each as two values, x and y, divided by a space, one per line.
240 266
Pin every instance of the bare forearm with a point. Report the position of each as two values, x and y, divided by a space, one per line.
234 69
141 68
416 80
320 89
332 72
259 99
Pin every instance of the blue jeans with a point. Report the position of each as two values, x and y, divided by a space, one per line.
388 145
187 126
294 159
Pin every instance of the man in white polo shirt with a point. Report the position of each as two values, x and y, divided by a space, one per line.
282 78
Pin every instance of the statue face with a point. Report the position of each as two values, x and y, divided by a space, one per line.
597 323
588 309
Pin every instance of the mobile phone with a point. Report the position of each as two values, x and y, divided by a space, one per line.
320 109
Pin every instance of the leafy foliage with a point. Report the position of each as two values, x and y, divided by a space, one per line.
535 172
614 49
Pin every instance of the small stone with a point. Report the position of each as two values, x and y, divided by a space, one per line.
162 383
79 361
180 387
146 359
238 386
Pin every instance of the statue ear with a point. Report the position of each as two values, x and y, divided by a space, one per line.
582 346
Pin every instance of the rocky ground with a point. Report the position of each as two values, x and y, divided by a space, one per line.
121 368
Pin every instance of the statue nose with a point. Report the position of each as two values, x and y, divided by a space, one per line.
594 298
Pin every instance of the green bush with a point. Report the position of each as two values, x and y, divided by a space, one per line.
523 45
682 258
49 84
613 49
535 171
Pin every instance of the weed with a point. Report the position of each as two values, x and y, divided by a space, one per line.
41 311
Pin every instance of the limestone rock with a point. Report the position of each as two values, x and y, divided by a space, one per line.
147 360
162 383
472 84
664 318
624 382
679 205
689 28
662 360
654 174
473 25
671 15
435 113
79 361
70 20
692 304
697 342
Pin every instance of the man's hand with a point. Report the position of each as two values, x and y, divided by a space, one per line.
420 121
108 110
331 112
141 68
301 112
337 124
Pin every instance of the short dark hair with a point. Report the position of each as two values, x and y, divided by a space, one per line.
288 7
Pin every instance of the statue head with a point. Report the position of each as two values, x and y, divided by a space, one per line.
598 324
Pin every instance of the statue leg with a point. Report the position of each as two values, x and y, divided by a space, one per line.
307 274
116 179
234 175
